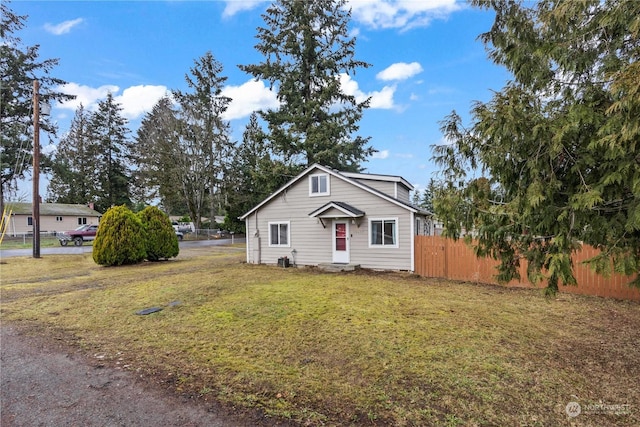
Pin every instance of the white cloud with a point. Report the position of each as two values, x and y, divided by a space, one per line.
376 14
138 100
404 14
63 27
382 99
135 100
382 154
399 71
235 6
85 95
247 98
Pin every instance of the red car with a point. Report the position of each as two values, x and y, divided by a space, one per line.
84 233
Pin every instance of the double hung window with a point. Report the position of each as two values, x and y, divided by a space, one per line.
279 234
383 232
319 185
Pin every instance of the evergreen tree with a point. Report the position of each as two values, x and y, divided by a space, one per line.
307 47
424 200
156 155
74 178
19 67
558 145
256 174
161 241
203 138
108 130
121 238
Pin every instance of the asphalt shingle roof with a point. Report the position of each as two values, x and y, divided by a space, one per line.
50 209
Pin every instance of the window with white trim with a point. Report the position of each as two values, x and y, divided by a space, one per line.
82 221
319 185
383 232
279 234
58 219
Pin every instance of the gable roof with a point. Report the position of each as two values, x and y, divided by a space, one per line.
48 209
345 208
344 176
379 177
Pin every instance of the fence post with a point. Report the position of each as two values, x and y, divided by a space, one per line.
446 258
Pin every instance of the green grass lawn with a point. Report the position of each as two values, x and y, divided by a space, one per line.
363 348
27 242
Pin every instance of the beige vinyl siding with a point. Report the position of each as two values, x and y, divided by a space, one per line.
69 213
386 187
50 224
18 224
313 243
380 257
403 194
392 188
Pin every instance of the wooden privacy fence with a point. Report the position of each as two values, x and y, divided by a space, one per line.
436 256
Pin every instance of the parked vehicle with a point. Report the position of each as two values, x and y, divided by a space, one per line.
179 235
182 227
222 234
82 234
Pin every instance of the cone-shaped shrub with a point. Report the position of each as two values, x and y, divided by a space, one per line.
161 242
120 238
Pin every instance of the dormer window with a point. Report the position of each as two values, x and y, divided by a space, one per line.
319 185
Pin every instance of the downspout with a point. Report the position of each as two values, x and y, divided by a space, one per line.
257 243
413 241
246 238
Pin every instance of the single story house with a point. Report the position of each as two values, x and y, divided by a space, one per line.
54 217
324 216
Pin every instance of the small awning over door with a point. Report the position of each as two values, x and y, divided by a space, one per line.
336 210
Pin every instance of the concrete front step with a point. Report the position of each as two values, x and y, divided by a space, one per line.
333 267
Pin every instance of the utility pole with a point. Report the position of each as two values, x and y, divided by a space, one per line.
36 170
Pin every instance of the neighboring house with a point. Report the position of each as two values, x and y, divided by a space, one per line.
54 217
326 216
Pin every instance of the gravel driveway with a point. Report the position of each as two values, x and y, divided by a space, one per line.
46 385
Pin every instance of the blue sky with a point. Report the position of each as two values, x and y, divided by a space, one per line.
425 62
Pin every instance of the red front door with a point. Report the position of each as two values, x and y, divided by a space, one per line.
341 242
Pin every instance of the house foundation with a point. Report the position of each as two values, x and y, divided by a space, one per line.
335 267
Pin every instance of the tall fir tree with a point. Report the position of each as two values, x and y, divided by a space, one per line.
74 177
204 138
307 49
255 175
156 156
424 199
19 67
558 145
109 133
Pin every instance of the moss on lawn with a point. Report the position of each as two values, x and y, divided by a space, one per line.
340 349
